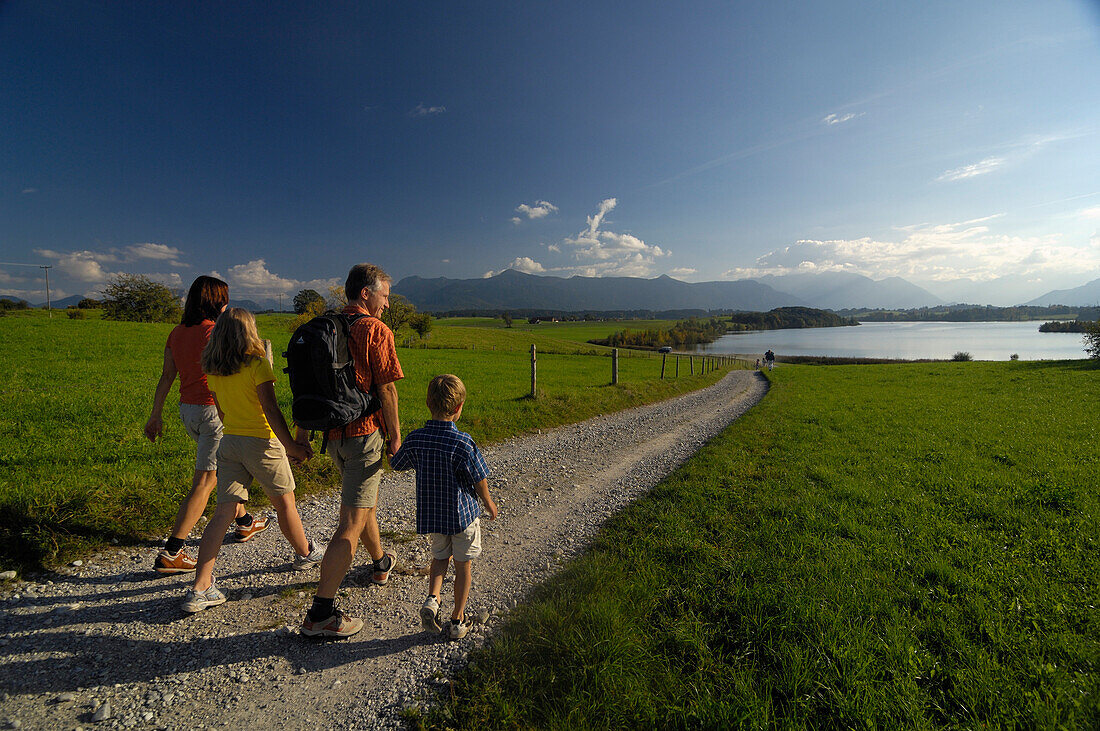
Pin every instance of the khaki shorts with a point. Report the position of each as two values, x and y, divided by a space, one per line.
204 426
240 459
464 546
359 460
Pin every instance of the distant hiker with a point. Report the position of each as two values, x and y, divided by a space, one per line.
769 358
451 475
255 446
357 451
205 301
757 364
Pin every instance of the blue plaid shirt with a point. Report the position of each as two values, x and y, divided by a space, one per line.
448 465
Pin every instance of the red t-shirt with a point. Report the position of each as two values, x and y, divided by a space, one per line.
375 357
186 344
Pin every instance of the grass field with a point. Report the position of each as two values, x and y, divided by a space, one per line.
895 546
75 470
551 337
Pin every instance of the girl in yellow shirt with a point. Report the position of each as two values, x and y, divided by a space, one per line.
255 444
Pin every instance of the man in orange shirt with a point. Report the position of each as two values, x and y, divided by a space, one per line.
357 451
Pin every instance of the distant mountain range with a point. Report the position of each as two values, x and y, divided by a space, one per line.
1087 295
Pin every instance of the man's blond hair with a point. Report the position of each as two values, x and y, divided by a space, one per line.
445 394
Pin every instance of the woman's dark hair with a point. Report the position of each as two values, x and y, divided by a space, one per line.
205 300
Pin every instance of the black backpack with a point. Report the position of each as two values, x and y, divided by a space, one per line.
322 375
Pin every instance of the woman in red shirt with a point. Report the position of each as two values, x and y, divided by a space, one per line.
206 299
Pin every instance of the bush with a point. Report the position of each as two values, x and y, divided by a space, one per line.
77 314
304 299
7 304
1092 341
962 355
1014 356
136 298
89 304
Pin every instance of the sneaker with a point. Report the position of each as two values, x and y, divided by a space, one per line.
245 532
196 601
429 615
173 563
338 625
382 568
457 629
301 563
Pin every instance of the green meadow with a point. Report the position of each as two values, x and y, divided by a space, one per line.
76 471
872 546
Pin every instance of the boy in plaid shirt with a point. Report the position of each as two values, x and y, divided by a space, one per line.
450 477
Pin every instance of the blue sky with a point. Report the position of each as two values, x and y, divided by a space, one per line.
275 144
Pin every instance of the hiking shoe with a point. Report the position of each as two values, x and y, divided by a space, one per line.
245 532
429 615
458 628
196 601
301 563
338 625
173 563
383 567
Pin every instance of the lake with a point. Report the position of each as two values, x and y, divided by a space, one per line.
910 341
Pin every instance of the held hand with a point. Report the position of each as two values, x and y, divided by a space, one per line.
394 445
298 453
154 428
302 437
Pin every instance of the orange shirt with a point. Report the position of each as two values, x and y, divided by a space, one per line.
186 344
375 357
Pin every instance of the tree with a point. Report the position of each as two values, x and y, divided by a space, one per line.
137 298
399 312
421 323
1092 341
89 304
304 298
507 317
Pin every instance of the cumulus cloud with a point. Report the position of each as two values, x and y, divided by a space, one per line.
424 111
256 279
539 209
85 266
943 252
680 272
987 165
527 265
1091 213
609 252
831 119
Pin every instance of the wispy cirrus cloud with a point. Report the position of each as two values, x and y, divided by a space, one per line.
29 191
425 111
831 119
987 165
538 209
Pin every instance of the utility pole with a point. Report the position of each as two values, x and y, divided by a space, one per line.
47 268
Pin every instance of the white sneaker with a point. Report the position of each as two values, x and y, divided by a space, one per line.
457 629
429 615
196 601
301 563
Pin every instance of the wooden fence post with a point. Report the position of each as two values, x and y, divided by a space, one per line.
664 356
614 366
691 364
677 366
534 376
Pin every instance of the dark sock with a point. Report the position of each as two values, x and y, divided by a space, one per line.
173 544
245 520
321 609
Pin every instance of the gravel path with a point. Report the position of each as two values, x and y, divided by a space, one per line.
104 644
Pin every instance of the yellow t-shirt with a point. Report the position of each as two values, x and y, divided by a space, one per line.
237 398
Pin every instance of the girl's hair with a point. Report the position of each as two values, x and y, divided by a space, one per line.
205 300
233 343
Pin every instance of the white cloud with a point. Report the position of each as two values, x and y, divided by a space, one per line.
1091 213
538 209
28 191
679 272
554 248
168 279
606 253
254 278
527 265
965 250
85 266
488 274
423 111
987 165
840 118
159 252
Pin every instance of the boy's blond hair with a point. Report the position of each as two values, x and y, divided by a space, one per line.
445 394
233 342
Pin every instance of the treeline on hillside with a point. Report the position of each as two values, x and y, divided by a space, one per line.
965 313
692 331
788 317
529 313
